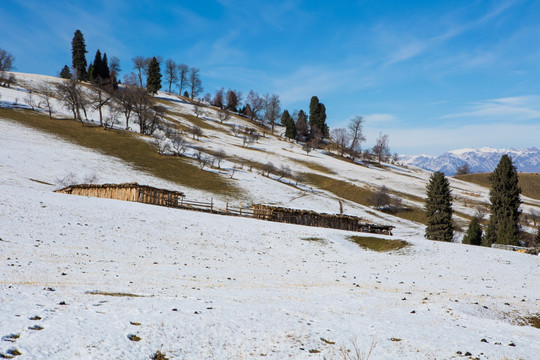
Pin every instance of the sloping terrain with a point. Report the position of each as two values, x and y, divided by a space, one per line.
96 278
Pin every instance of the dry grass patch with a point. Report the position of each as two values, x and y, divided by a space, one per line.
529 182
315 167
115 294
128 147
378 244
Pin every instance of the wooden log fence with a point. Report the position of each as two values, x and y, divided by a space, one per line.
150 195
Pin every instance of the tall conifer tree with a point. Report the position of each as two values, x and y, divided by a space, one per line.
317 116
438 208
153 81
288 122
503 227
78 53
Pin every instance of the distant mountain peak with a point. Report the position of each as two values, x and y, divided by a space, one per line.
484 159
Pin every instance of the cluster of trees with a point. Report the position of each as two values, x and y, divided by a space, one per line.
504 196
311 128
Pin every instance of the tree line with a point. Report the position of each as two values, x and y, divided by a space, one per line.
503 226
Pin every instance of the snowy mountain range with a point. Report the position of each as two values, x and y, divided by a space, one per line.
480 160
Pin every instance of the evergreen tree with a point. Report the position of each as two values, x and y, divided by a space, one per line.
473 236
317 116
503 227
65 73
78 53
96 67
153 82
288 122
302 130
438 208
105 71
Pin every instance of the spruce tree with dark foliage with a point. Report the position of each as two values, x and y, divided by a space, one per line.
65 73
438 208
288 122
503 227
153 82
78 53
473 236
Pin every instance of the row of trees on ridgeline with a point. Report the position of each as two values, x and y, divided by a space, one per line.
503 226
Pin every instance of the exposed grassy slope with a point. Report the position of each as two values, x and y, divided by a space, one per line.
358 195
529 182
377 244
128 147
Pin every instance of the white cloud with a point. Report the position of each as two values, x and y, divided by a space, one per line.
508 109
379 118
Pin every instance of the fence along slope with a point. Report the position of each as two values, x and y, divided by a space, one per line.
150 195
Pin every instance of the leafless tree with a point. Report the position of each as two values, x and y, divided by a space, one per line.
198 110
395 158
194 82
535 216
236 130
272 109
7 63
480 213
182 70
148 114
178 143
45 92
307 148
31 100
283 171
223 115
380 199
162 144
113 116
341 138
196 132
171 72
381 149
255 103
219 156
125 97
463 169
357 137
72 96
268 169
140 64
100 95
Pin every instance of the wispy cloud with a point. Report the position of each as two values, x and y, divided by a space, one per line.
509 109
379 118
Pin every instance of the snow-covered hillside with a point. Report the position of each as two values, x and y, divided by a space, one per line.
480 160
80 275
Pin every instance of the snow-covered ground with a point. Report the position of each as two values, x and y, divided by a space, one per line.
211 287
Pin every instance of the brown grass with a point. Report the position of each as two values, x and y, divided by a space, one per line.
359 195
378 244
529 182
115 294
315 166
128 147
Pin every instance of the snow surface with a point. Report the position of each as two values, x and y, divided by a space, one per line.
216 287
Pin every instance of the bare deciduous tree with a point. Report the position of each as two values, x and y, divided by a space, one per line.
171 72
72 96
268 169
219 156
182 70
140 64
381 148
196 132
178 143
45 92
7 63
357 137
223 115
255 103
272 109
341 138
194 82
198 110
284 171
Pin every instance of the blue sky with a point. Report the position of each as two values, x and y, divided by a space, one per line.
434 75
